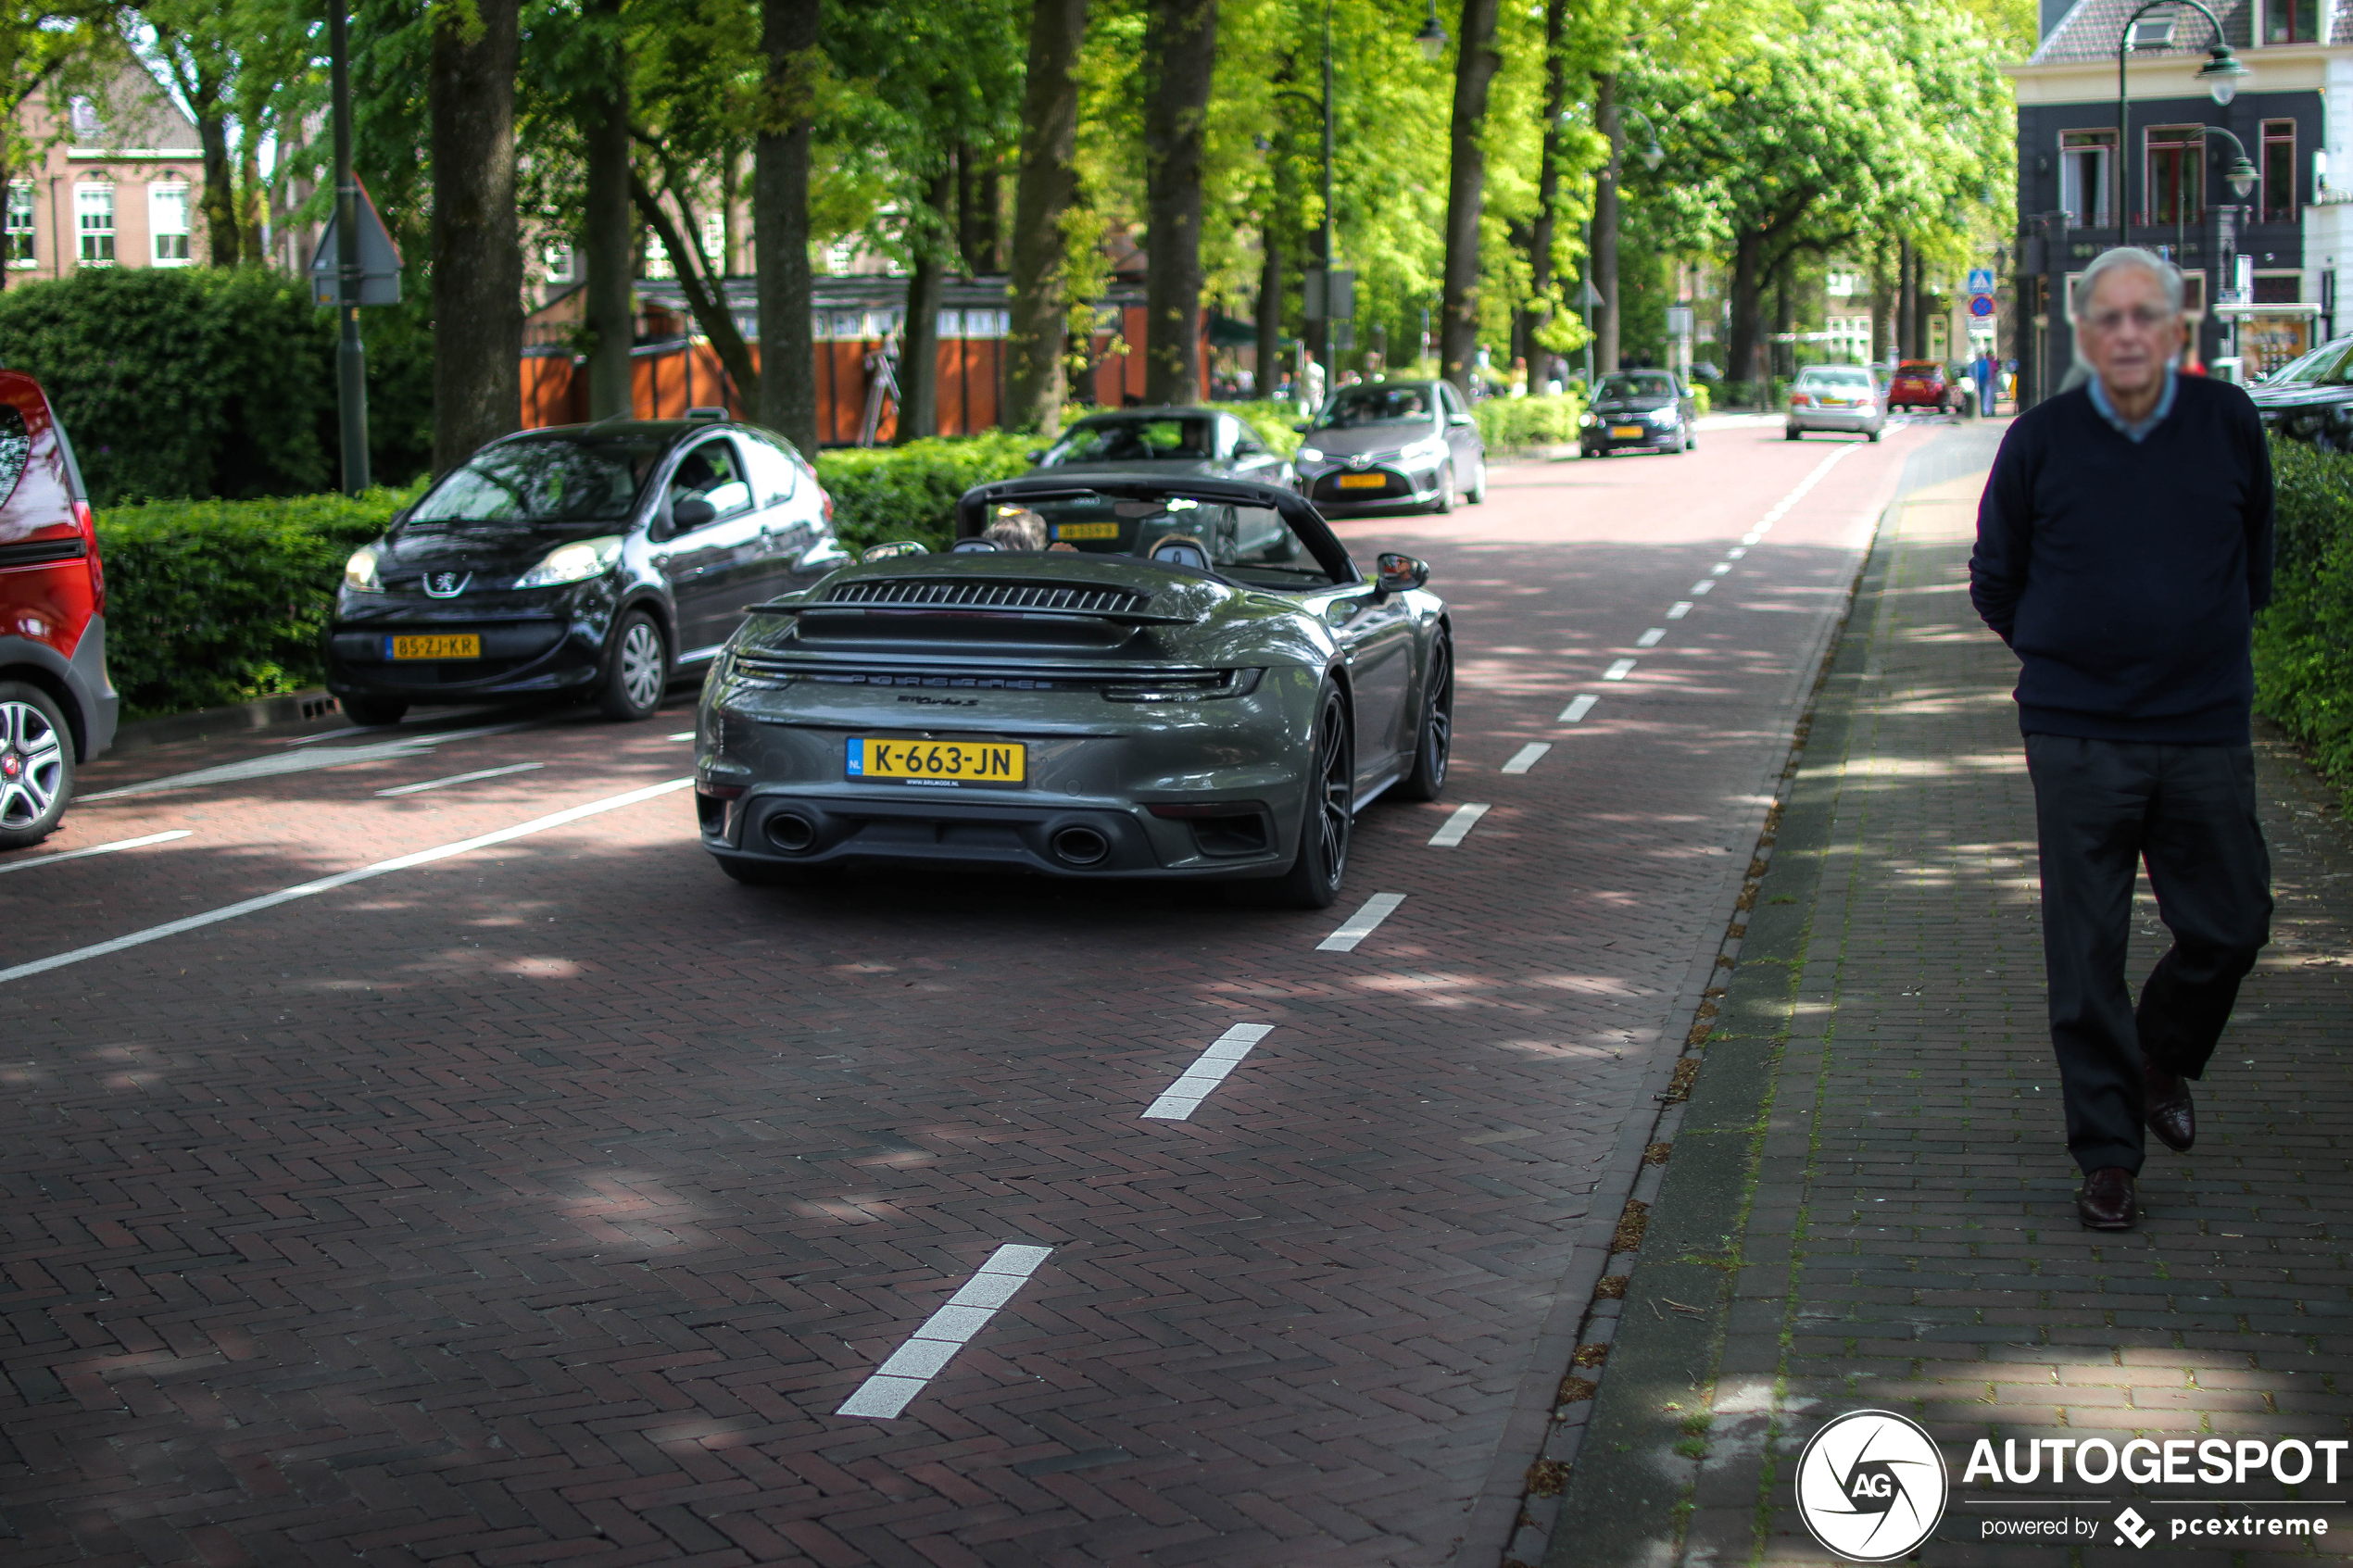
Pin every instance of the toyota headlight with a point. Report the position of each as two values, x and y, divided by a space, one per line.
575 562
1311 454
1665 416
359 571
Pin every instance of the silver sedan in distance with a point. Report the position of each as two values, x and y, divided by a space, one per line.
1839 397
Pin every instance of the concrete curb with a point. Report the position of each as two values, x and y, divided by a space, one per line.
295 707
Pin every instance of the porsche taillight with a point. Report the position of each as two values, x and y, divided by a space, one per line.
87 522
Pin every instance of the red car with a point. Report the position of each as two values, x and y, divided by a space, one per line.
56 705
1920 383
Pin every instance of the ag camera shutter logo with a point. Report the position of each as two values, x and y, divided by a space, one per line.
1872 1485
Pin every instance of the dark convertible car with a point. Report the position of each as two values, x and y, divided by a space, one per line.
1113 677
2310 398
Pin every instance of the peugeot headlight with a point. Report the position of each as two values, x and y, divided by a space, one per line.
359 571
1311 454
1587 419
575 562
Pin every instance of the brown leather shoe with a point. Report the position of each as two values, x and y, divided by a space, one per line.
2168 1109
2108 1202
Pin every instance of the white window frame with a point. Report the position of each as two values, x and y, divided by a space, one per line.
157 233
30 195
86 233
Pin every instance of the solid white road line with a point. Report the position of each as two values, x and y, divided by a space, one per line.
1181 1099
1579 709
1679 609
462 778
1620 669
96 849
1649 639
1528 756
947 1331
1702 586
271 766
341 879
1457 826
1358 926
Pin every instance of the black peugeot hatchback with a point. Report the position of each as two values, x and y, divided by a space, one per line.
591 562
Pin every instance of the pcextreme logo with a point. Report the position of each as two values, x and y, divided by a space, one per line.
1872 1485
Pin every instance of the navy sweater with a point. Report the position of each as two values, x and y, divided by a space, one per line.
2126 576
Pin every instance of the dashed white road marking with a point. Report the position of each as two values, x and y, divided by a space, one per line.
1354 929
1620 669
462 778
1702 586
1528 756
95 849
341 879
1720 568
683 735
1579 709
1736 552
273 765
1181 1099
1751 537
1457 826
1679 609
1650 638
947 1331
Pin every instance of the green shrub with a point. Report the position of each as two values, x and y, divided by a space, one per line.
1702 398
1272 423
884 492
2304 642
1519 424
198 381
212 602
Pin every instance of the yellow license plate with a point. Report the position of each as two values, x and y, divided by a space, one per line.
1626 432
1363 481
941 763
1086 531
450 644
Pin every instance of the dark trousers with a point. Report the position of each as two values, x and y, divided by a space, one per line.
2102 807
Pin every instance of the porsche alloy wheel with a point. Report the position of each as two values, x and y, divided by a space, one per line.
1434 743
36 766
1315 873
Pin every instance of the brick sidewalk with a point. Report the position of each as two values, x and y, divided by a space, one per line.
1867 1203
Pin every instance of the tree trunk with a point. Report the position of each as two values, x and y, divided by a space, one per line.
250 203
1746 337
992 228
1475 70
1046 187
706 297
477 249
223 245
1548 190
1605 264
1180 52
919 346
1908 309
1882 332
606 229
787 402
1270 311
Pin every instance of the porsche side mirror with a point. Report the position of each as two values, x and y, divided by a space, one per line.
691 512
1037 455
1397 573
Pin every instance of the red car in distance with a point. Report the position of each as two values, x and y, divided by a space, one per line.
1920 383
56 705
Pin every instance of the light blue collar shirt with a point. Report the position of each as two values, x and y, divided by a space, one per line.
2134 433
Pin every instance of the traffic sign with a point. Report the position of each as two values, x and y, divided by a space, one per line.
1981 305
379 261
1980 279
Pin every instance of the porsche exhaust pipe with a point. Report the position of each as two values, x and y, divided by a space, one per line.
1080 846
791 831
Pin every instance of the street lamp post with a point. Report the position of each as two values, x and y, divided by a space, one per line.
2224 73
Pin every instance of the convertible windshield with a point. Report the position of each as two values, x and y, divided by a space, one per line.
554 481
1245 543
1637 386
1131 441
2312 369
1377 405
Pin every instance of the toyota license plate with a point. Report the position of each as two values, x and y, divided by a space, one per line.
940 763
1626 432
1363 481
447 645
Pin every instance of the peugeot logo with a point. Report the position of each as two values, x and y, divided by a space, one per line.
446 585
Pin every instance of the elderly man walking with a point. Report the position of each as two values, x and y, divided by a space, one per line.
2124 546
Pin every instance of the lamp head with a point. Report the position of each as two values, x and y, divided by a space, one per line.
1653 156
1432 37
2242 176
2224 73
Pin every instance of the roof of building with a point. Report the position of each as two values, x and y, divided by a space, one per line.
2089 31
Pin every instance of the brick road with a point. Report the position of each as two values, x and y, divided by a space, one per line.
544 1202
1869 1200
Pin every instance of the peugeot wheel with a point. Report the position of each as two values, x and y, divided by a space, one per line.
1434 743
1316 871
36 765
636 669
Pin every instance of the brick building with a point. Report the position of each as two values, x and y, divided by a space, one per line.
116 182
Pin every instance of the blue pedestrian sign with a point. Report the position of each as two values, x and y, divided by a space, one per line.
1980 279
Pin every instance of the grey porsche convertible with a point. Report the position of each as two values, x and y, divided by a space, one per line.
1106 678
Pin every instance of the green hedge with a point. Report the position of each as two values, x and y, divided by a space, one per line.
2304 642
910 491
212 602
1520 424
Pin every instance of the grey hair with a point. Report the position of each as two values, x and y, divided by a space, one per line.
2169 277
